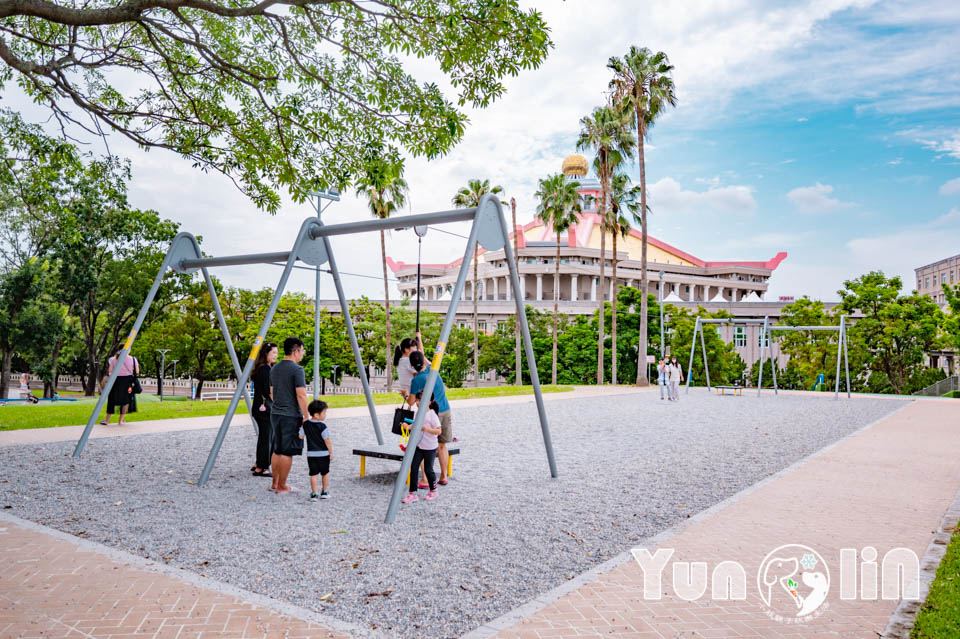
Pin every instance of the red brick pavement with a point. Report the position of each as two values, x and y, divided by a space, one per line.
887 486
50 587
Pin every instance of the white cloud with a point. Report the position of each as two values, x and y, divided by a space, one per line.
951 188
816 199
668 196
947 145
895 252
895 162
779 53
900 251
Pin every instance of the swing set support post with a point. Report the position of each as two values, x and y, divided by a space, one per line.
312 246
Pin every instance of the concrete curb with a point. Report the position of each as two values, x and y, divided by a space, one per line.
540 602
903 618
121 556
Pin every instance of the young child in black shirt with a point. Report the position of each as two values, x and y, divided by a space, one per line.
319 448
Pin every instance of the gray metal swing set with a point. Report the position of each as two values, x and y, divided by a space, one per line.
312 246
766 342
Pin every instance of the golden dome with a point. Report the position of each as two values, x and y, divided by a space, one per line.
575 165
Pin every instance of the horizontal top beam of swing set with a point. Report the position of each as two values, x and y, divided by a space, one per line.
392 223
803 328
364 226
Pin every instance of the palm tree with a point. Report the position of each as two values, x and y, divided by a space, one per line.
606 131
386 191
558 207
642 84
468 197
623 198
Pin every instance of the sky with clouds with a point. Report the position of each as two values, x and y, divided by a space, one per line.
829 129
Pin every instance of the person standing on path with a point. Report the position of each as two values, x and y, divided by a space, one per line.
288 385
662 375
675 375
262 401
122 395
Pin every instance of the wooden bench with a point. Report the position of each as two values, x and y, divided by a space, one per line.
392 451
721 390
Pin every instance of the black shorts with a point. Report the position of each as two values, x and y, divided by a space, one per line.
286 435
319 465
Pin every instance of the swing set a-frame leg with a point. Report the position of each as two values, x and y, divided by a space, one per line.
483 223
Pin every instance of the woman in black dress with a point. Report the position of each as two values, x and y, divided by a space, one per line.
262 401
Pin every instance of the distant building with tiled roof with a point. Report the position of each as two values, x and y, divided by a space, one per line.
686 277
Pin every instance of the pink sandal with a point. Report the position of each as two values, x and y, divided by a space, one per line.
431 495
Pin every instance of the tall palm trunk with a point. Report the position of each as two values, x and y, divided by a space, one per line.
642 347
603 251
613 300
556 308
386 308
516 259
476 322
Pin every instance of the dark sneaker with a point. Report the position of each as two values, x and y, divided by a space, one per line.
314 497
324 495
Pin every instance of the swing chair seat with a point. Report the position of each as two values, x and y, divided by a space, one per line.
736 389
392 451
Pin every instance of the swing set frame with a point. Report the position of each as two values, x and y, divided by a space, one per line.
766 343
312 246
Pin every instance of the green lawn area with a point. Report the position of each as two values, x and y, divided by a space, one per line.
940 616
48 414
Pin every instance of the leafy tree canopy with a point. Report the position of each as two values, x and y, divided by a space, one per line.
272 93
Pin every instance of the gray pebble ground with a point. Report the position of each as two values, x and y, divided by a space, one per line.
501 532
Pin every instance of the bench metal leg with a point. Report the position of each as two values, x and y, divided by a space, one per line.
363 466
449 466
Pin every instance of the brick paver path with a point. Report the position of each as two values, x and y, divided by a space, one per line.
50 587
887 486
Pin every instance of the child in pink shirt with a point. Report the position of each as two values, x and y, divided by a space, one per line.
425 452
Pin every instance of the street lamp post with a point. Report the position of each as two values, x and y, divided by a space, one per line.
333 196
163 358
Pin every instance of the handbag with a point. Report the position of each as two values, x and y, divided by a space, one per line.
136 387
399 414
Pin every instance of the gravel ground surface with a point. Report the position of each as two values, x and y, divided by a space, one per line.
501 532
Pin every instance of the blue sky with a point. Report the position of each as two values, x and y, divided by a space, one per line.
826 128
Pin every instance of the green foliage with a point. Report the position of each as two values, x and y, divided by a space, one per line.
368 322
812 353
150 408
725 364
576 342
940 615
469 196
273 94
895 331
951 322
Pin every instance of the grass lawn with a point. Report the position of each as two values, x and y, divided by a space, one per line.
940 615
48 414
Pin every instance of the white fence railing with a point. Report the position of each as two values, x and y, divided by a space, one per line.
941 388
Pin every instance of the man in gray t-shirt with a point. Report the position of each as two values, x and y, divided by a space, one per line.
288 387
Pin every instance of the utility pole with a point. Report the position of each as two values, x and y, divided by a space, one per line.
163 358
660 295
333 196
